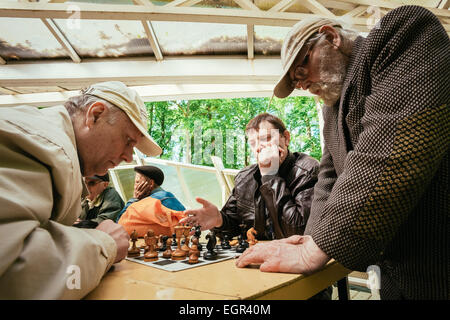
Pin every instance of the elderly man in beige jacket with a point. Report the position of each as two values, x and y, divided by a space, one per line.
44 155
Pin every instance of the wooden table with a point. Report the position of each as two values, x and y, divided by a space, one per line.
218 281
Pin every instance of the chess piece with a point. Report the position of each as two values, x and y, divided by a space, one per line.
151 242
197 234
168 253
163 240
243 244
210 246
134 251
225 243
185 246
174 241
194 253
251 236
179 254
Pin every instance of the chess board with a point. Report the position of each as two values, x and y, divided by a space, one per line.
180 265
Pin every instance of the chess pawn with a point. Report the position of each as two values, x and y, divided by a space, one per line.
163 246
243 245
185 246
168 253
194 253
134 251
179 254
225 244
194 247
151 241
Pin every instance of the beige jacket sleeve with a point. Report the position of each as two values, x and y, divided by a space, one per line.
41 255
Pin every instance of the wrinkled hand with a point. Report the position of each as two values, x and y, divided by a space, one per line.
141 190
296 254
120 236
207 217
269 159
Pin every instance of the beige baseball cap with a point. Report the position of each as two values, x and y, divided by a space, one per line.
131 103
292 45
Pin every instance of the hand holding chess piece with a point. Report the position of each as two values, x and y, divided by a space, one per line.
251 236
134 251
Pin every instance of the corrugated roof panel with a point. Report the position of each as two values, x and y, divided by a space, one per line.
106 38
186 38
268 39
27 39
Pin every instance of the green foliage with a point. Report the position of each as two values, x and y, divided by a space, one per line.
192 130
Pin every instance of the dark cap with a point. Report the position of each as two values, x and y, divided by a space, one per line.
102 178
151 172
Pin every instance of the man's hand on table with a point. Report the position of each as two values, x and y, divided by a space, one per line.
296 254
120 236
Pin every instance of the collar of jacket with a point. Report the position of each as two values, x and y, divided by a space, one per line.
155 190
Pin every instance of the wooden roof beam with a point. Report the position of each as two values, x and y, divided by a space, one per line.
59 36
317 8
152 39
182 3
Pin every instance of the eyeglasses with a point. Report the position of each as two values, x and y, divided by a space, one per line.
300 71
92 183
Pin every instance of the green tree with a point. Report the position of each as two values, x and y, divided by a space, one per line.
195 129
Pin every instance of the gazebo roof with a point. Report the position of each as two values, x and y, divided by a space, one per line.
180 49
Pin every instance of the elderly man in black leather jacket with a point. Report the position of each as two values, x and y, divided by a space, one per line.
274 196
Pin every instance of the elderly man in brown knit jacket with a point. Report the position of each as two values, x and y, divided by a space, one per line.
382 197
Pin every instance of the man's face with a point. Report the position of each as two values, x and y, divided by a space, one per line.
106 142
325 69
138 178
267 135
95 187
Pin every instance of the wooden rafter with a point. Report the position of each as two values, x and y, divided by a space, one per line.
147 3
152 39
182 3
246 4
59 36
142 71
444 4
317 8
151 93
283 5
164 13
355 12
251 41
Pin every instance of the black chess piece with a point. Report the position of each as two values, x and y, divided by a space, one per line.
241 247
225 243
197 234
164 243
210 246
243 244
174 241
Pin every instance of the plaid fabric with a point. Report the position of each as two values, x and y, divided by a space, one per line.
383 190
